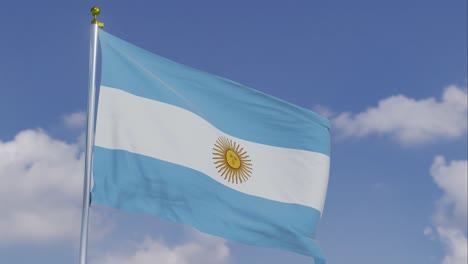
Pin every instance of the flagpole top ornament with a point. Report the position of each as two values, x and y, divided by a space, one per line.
95 11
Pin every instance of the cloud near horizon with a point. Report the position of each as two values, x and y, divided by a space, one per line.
450 215
41 182
42 188
198 249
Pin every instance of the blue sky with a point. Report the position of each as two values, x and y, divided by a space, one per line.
391 76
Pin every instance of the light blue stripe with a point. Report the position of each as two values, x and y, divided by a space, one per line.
234 109
137 183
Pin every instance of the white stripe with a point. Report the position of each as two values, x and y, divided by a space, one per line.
169 133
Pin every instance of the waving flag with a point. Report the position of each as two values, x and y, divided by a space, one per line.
205 151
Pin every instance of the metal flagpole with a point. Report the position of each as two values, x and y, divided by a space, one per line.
95 24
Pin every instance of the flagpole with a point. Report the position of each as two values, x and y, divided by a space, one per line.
95 24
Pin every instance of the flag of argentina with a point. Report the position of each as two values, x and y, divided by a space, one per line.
205 151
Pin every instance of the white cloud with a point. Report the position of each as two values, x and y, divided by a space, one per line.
41 188
323 111
41 182
456 244
450 216
200 249
428 231
453 180
75 120
410 121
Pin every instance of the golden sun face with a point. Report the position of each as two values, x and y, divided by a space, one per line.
231 161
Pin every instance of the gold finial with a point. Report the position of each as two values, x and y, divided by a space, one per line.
95 11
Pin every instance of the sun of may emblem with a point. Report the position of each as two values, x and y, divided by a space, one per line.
231 161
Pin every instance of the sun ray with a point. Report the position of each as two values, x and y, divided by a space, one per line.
224 171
